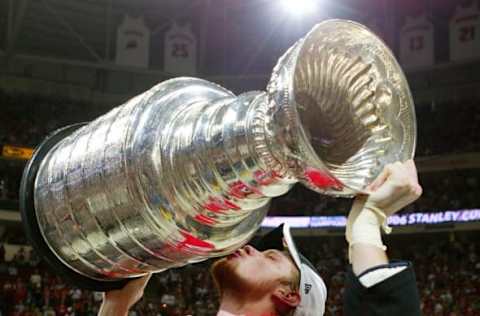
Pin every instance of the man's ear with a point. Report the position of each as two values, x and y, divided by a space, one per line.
285 299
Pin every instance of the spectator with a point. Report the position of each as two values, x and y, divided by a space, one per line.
2 253
19 257
36 279
448 275
3 189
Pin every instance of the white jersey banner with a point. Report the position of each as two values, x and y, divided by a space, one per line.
465 33
180 50
133 42
416 42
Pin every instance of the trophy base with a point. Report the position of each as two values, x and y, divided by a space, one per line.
31 225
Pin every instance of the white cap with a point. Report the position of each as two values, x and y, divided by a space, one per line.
313 292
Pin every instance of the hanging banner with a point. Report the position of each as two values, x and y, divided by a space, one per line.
180 50
465 33
133 42
416 42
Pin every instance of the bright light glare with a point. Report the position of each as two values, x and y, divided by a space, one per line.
299 7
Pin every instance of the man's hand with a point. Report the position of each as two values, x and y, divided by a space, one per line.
118 302
396 187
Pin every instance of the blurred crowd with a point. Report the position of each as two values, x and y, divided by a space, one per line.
448 128
27 119
442 128
10 175
29 288
448 190
448 275
447 266
449 278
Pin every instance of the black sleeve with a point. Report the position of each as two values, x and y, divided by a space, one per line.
397 295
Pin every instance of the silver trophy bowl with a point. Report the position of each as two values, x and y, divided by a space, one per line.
186 170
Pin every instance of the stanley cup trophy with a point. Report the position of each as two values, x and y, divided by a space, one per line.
185 171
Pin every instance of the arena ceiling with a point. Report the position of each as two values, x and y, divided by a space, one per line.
85 29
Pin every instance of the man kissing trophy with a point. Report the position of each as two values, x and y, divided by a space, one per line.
186 170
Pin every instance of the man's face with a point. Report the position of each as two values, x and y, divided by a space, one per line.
248 270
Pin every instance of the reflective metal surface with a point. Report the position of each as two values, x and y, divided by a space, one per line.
341 109
186 170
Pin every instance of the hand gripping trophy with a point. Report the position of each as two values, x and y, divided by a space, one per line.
185 171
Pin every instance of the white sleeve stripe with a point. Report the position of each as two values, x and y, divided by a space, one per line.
374 277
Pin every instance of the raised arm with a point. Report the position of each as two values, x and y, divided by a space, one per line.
376 286
119 302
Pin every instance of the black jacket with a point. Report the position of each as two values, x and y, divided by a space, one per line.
395 296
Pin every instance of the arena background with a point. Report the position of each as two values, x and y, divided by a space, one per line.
65 61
